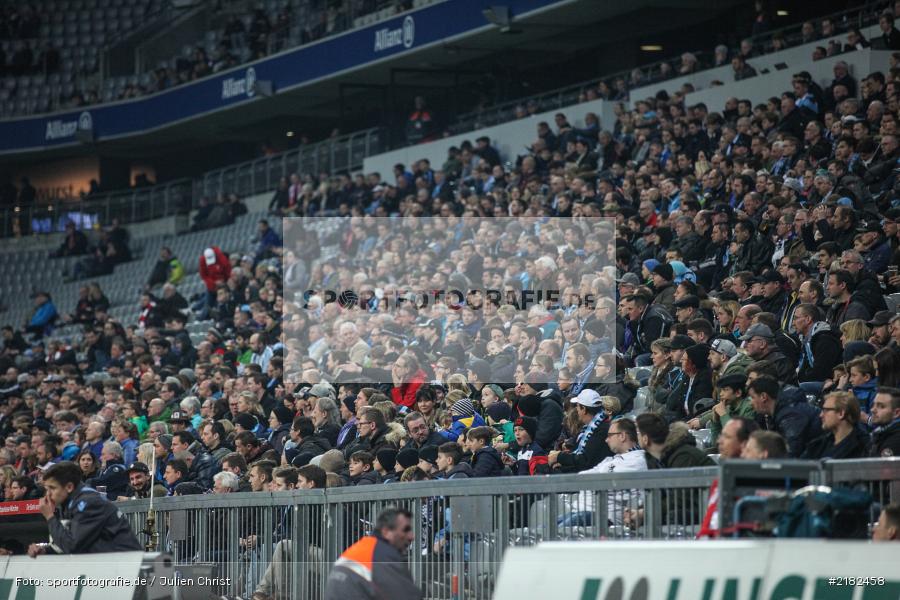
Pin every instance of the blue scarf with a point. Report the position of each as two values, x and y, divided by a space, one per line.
589 430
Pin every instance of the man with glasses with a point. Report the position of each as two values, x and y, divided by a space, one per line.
627 457
865 284
375 566
420 434
842 438
371 429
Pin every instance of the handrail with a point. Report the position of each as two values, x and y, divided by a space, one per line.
650 73
333 155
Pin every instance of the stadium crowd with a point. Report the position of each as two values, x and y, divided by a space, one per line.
742 276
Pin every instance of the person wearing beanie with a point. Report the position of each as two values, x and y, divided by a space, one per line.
663 287
547 409
406 458
530 459
695 385
491 394
464 418
385 463
245 422
428 459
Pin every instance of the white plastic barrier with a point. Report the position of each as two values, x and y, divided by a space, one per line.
716 570
762 87
510 138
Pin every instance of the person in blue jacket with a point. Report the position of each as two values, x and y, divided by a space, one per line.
43 317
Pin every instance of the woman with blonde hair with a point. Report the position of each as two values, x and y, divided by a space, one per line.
726 312
145 454
7 474
854 330
458 381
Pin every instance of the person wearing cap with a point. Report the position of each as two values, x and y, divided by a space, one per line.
725 360
695 385
880 324
774 299
590 446
531 458
759 343
731 391
215 268
687 309
140 482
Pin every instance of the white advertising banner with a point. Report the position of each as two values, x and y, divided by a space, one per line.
110 576
697 570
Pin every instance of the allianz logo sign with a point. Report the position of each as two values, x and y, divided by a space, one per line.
390 38
59 129
239 86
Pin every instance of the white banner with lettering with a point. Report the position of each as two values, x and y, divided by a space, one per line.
699 570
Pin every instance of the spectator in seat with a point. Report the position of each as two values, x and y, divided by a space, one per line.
215 268
74 244
890 36
887 529
844 436
886 419
168 269
43 317
797 421
765 445
591 443
420 125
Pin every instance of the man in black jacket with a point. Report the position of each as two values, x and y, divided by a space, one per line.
80 520
113 475
886 416
798 422
647 323
820 346
760 345
420 434
486 461
590 445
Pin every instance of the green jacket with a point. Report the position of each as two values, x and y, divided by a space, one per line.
741 408
176 271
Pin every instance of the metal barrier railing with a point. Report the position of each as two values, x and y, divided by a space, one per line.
335 155
461 527
128 206
344 153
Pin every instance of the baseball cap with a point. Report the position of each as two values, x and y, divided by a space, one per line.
723 347
882 317
629 278
209 256
178 416
688 302
681 342
140 467
758 330
587 397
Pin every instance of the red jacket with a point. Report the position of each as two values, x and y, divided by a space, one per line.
405 394
216 273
